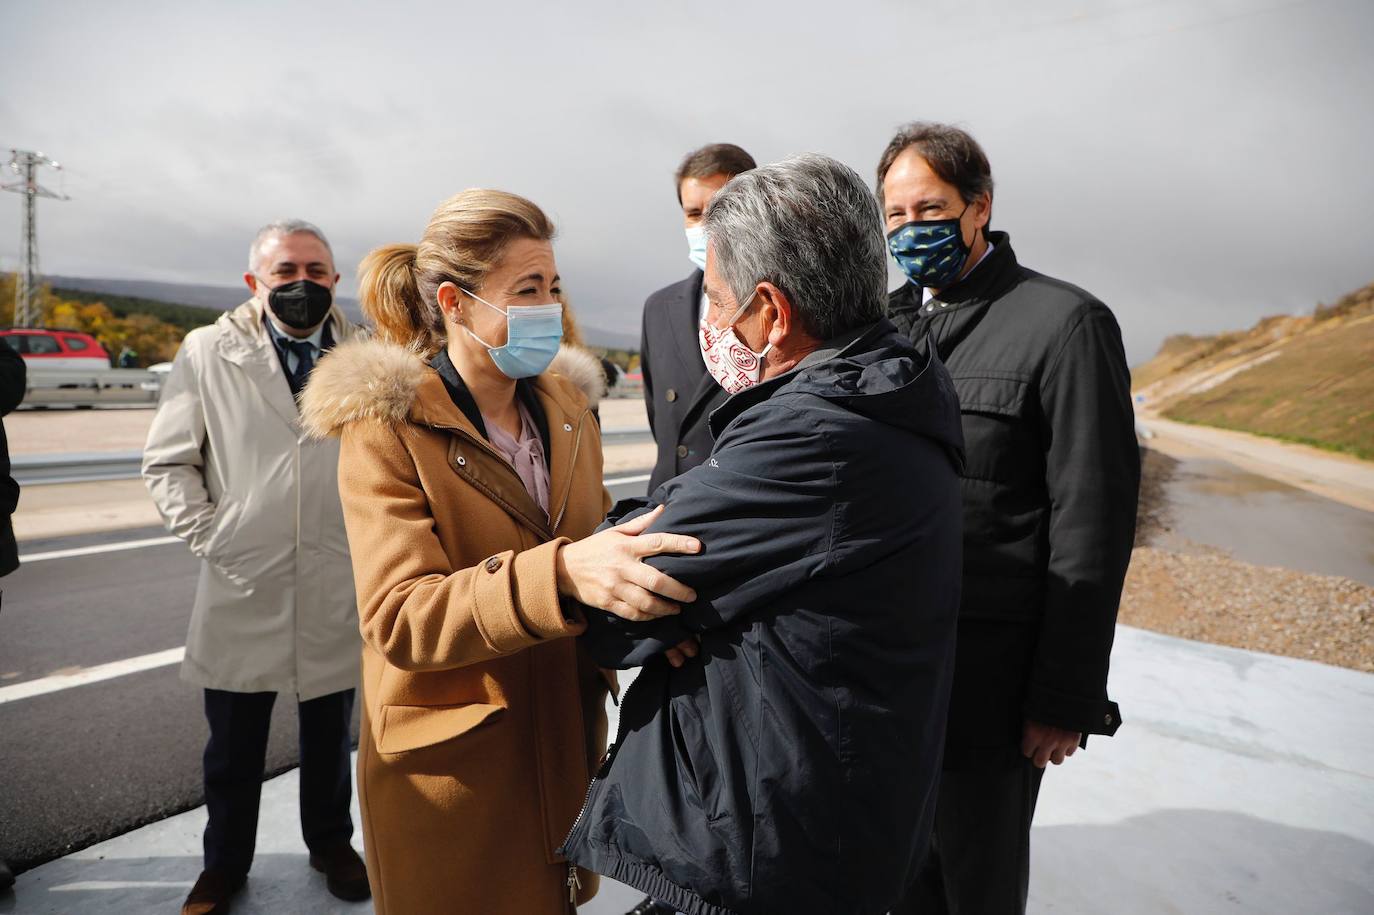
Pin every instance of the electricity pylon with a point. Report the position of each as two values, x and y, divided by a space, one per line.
24 163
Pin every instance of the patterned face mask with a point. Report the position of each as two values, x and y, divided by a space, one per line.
733 365
931 252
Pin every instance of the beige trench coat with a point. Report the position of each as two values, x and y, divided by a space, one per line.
257 500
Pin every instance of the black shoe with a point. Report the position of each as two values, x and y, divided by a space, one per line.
212 893
6 876
344 872
651 906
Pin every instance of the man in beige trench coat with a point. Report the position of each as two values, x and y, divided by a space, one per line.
257 501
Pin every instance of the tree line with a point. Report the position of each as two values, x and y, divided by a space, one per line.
151 330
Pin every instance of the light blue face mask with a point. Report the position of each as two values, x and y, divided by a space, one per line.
533 335
696 246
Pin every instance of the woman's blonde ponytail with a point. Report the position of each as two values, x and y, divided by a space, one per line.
391 299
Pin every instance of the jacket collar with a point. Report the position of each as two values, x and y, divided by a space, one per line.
482 465
685 319
243 340
855 340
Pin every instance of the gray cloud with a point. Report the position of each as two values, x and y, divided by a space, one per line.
1197 165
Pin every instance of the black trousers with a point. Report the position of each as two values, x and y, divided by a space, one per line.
236 756
979 860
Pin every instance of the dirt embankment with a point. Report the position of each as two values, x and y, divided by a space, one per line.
1199 592
1303 378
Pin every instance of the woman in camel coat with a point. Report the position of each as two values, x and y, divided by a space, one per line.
469 474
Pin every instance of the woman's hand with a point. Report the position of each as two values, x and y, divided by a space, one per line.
605 571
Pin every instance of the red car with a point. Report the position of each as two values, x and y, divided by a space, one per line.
57 349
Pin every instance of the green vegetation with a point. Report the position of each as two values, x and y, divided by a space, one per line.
187 317
1318 391
151 338
1308 380
626 360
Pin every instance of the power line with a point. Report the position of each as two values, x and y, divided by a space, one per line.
26 163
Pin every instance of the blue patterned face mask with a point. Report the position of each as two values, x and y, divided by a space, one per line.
931 252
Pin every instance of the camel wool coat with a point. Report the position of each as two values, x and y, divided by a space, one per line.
483 716
256 500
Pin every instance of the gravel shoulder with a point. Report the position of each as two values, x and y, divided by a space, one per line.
1195 591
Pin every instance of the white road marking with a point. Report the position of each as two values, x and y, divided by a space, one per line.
621 481
57 682
99 548
87 886
163 541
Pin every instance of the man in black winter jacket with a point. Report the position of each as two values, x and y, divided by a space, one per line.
791 766
1049 493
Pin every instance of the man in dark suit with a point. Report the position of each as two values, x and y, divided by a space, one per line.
678 392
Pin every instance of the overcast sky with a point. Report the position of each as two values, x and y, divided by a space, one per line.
1195 164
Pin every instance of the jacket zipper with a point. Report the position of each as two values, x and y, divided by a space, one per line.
610 758
575 882
572 467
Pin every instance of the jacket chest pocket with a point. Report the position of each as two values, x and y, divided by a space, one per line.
1001 435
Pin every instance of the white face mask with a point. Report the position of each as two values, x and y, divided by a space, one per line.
734 366
696 246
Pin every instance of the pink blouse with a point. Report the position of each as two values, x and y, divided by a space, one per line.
525 454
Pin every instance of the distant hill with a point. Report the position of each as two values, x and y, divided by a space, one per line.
1306 378
216 299
184 317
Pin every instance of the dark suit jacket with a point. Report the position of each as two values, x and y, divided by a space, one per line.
13 374
678 391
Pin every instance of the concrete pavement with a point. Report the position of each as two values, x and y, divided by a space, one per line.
1239 782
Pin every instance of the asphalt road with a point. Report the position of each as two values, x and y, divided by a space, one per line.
1266 522
86 763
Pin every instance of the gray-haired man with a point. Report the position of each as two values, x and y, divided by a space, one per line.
257 501
791 766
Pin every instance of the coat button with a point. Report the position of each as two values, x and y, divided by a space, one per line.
493 564
681 450
462 461
1107 719
567 427
671 395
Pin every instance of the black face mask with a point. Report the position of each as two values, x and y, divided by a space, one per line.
302 304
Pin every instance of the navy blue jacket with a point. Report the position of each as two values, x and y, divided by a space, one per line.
792 767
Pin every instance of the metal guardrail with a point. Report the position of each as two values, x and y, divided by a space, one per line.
90 387
39 469
626 435
43 469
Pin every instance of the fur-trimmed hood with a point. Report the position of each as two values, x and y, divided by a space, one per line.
369 379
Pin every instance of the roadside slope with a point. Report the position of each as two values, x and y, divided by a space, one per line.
1307 379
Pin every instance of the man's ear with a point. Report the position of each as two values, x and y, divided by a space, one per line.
982 211
251 282
778 309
